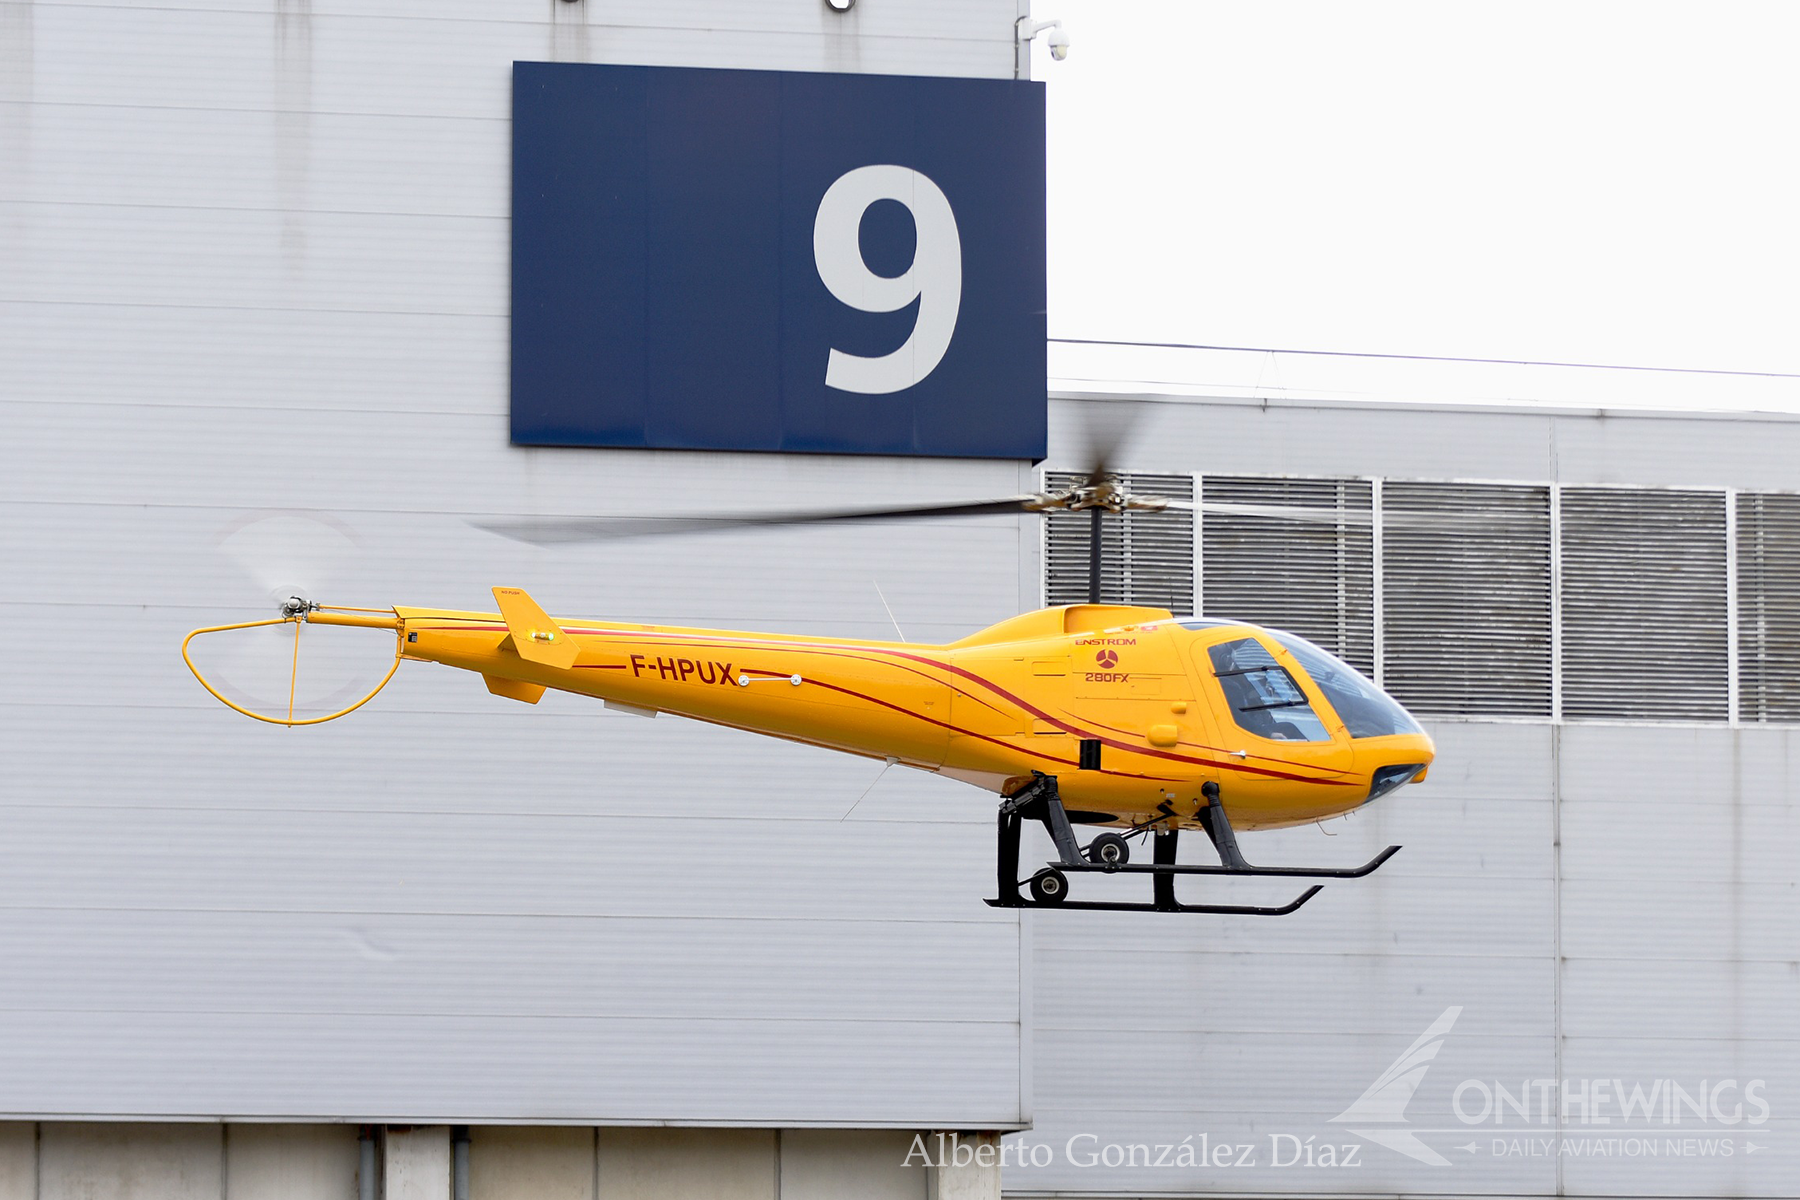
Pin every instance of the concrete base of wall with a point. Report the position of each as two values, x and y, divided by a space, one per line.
113 1161
967 1168
415 1163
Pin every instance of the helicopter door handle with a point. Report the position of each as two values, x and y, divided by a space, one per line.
1238 753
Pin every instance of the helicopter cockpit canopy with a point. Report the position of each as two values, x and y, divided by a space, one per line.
1267 700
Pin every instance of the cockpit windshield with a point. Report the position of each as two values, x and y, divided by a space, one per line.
1264 698
1365 709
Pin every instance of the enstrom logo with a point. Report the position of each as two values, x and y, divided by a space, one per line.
1107 658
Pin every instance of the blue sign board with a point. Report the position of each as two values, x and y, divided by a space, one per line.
771 260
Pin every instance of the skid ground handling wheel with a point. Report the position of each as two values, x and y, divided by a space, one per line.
1049 886
1108 849
1109 853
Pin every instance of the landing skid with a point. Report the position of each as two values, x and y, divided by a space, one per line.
1039 800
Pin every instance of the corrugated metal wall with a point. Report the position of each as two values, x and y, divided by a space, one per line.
1604 902
255 263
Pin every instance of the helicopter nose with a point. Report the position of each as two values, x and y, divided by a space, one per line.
1402 765
1394 762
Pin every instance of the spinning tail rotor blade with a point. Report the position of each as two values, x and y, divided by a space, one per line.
289 553
257 665
279 554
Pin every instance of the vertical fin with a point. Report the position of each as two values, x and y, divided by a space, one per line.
535 636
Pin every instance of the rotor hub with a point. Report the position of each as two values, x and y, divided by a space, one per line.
1102 492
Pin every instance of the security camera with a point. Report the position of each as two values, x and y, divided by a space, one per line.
1059 41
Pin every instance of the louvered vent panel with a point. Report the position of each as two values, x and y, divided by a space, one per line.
1310 574
1145 557
1466 598
1768 555
1643 604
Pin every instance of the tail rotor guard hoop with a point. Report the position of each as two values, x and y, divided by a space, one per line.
313 614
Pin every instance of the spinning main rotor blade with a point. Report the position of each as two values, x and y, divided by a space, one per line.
1104 436
552 531
1107 433
1099 491
546 531
1320 515
1277 512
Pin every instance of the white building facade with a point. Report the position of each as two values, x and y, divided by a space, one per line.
256 305
1578 964
256 335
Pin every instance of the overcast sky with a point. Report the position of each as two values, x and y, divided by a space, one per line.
1595 182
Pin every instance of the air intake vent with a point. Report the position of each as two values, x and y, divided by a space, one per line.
1145 557
1643 604
1310 574
1768 555
1466 598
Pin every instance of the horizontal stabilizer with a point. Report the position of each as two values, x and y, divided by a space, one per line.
535 636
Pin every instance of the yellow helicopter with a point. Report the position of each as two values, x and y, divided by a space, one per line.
1126 718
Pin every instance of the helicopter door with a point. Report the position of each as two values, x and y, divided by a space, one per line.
982 720
1269 717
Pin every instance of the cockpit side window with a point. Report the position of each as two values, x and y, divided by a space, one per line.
1264 698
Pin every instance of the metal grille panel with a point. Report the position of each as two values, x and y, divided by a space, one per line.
1643 604
1145 557
1466 598
1768 559
1311 575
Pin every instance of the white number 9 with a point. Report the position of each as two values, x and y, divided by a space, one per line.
935 277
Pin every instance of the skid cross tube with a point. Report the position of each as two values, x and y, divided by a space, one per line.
1039 800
